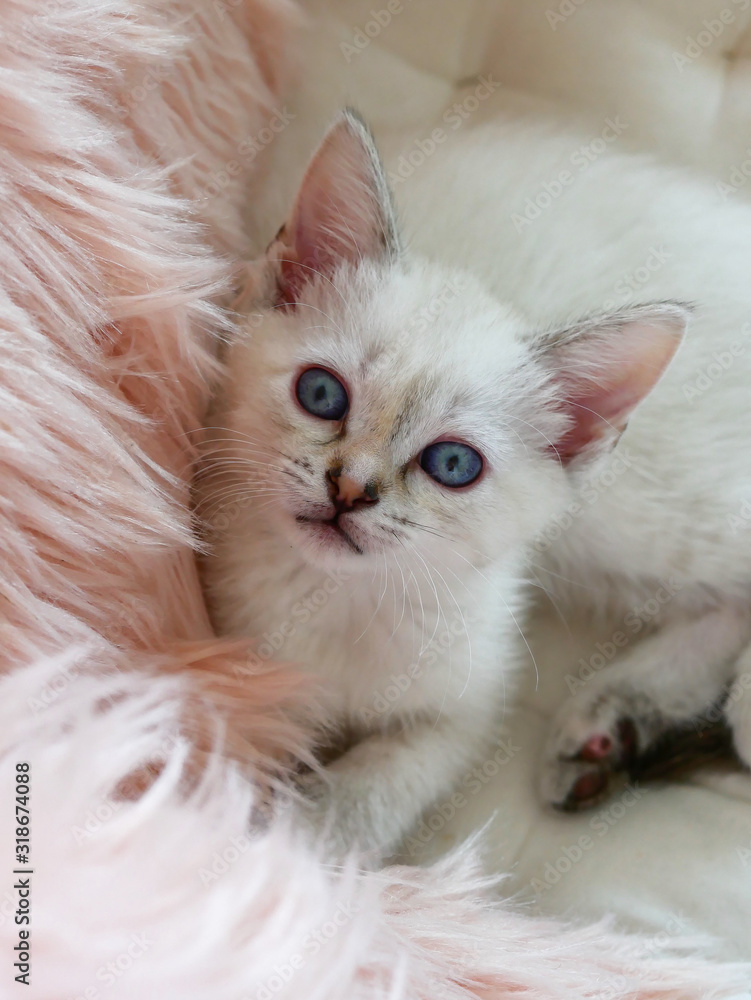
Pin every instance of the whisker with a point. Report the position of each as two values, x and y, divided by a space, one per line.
537 430
553 601
558 576
239 448
441 615
373 616
398 625
463 621
510 612
307 305
227 465
429 578
237 497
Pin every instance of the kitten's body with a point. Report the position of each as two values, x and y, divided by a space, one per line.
622 231
620 216
480 372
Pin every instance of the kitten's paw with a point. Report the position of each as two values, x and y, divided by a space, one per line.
738 715
316 809
591 742
334 820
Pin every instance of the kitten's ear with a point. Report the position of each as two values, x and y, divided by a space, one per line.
343 211
602 369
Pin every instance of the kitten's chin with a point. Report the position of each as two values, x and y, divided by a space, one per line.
328 544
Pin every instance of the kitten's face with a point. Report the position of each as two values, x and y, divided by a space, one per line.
386 408
384 424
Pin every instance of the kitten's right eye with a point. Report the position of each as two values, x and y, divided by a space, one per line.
452 463
322 394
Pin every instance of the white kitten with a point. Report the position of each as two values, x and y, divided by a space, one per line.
397 428
557 227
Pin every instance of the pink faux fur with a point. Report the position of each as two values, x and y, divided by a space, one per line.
109 111
119 120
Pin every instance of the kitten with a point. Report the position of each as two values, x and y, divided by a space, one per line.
403 423
663 525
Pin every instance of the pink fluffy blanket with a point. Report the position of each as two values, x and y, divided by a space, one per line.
122 123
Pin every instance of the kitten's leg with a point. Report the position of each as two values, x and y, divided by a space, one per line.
668 679
738 707
371 796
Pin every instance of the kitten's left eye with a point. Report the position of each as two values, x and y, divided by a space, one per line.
451 463
322 394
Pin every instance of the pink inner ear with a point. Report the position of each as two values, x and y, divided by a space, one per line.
599 413
342 213
292 277
604 378
311 252
322 235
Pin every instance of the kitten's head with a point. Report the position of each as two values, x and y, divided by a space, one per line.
387 405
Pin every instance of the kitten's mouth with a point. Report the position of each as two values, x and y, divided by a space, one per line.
328 529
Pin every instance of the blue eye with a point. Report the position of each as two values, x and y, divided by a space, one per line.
451 463
322 394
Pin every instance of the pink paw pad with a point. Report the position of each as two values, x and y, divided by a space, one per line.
597 747
588 787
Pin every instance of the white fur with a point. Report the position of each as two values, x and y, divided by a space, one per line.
485 365
393 608
677 507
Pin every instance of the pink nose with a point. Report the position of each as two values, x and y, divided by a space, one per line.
348 490
347 493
